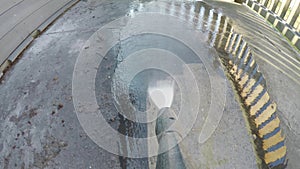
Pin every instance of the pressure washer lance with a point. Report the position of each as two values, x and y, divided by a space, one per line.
171 159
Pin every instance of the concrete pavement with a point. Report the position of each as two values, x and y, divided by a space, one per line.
19 19
39 126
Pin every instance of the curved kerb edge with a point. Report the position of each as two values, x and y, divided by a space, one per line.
260 111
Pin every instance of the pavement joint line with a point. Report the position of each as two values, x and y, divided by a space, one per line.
10 7
32 12
17 52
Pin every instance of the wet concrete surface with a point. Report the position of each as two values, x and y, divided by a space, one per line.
39 126
279 63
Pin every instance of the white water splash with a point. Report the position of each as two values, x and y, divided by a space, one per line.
162 93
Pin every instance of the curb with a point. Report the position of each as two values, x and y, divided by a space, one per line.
259 110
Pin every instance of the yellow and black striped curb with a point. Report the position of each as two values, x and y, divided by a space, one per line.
250 85
281 25
260 110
